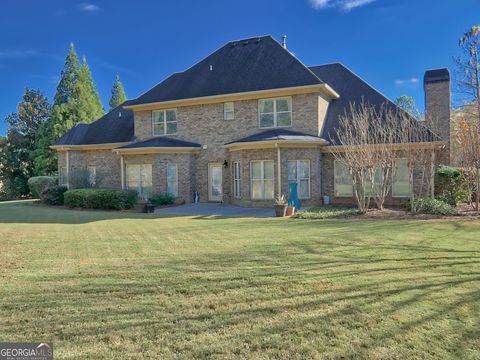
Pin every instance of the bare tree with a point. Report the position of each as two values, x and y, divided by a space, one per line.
468 86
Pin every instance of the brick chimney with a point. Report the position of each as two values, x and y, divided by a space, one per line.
437 105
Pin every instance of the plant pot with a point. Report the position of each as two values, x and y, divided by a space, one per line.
280 210
290 211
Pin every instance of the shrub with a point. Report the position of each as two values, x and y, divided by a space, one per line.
451 185
434 207
37 184
53 195
116 199
161 199
327 212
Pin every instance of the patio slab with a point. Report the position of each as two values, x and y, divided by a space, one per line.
215 209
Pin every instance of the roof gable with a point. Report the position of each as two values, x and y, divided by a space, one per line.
253 64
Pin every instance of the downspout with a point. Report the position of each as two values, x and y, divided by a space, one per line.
67 168
432 174
279 170
122 171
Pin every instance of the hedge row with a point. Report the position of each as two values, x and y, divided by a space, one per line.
38 183
116 199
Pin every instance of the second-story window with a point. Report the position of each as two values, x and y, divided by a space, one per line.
164 122
228 111
275 112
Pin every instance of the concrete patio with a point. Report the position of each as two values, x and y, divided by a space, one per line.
215 209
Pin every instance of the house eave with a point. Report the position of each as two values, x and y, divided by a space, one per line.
402 146
106 146
158 150
273 144
248 95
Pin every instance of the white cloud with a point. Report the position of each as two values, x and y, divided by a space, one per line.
407 82
344 5
87 7
18 54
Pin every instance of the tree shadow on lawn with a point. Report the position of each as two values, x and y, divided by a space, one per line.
421 305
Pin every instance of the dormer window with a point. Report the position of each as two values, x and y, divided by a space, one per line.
228 111
164 122
275 112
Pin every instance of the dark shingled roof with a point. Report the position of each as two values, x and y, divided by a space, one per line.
277 134
113 127
253 64
437 75
161 141
352 89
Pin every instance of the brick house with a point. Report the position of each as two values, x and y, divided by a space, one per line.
237 126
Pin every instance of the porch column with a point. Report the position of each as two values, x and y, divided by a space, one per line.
279 170
122 171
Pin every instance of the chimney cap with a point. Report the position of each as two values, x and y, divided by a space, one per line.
436 75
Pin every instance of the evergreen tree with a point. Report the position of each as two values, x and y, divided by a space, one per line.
77 99
18 147
118 93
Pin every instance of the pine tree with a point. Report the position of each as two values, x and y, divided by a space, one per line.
118 93
77 99
18 147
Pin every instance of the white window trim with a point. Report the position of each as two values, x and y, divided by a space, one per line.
63 176
239 180
393 180
262 179
297 161
176 178
225 112
90 173
164 121
289 98
335 183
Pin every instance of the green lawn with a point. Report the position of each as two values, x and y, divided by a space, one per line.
108 285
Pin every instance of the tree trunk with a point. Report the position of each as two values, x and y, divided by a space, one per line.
477 195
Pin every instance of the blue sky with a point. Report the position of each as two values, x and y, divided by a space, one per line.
390 43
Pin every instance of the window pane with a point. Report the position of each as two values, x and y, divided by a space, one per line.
256 170
133 173
292 170
266 120
158 116
304 189
304 169
266 106
401 180
256 189
268 189
171 115
343 180
284 119
228 111
268 170
159 129
147 175
283 105
171 127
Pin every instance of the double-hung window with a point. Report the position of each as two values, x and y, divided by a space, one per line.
401 179
275 112
164 122
92 175
299 173
343 183
237 180
261 174
228 111
139 177
172 179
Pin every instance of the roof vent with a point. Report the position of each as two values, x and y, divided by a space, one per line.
284 41
232 44
245 43
258 40
211 67
119 114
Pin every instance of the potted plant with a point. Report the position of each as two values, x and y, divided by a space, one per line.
280 206
290 210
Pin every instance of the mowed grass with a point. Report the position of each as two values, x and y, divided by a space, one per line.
109 285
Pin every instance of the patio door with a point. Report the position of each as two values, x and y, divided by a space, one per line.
215 191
